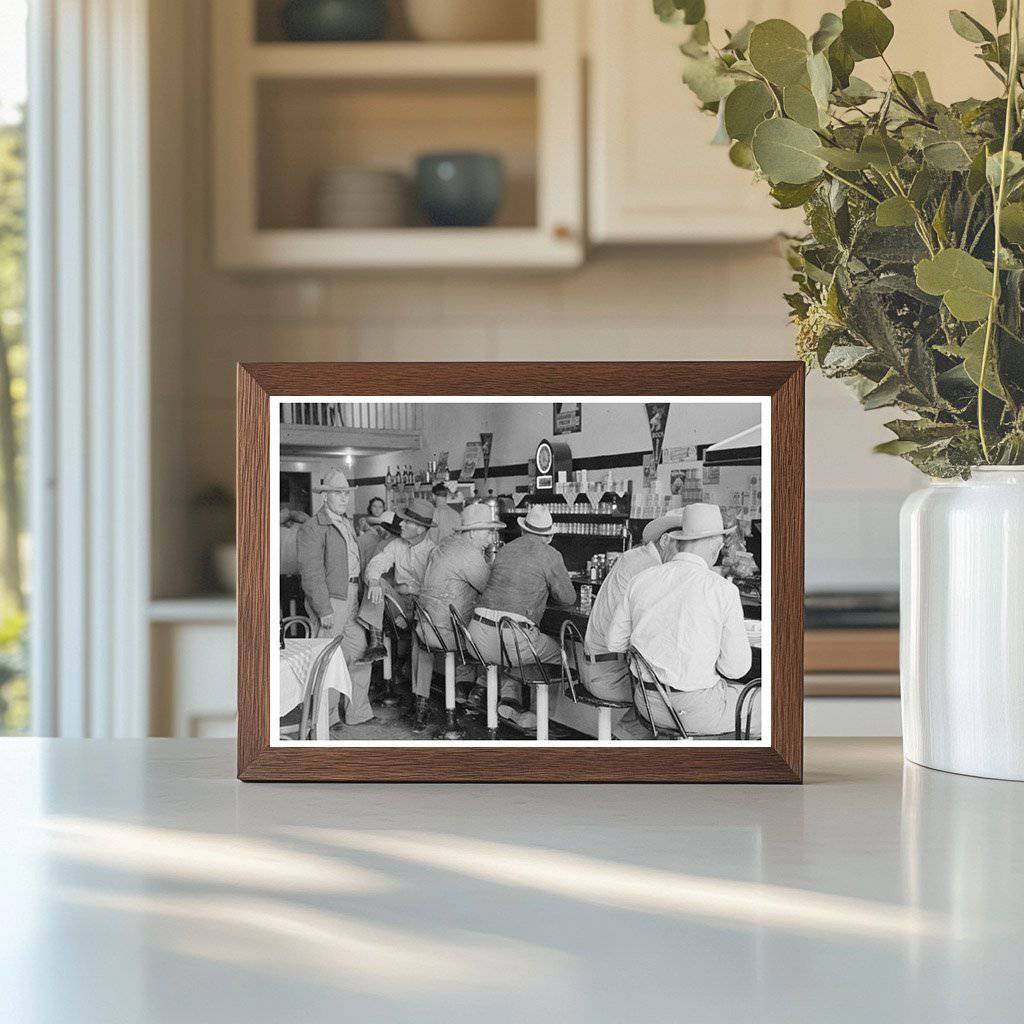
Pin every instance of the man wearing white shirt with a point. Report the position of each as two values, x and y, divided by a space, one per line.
687 621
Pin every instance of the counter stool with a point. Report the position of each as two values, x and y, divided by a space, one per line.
570 640
643 672
390 698
423 628
746 694
470 654
533 672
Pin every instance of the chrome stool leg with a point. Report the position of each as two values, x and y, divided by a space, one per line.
390 699
542 711
492 701
604 725
451 725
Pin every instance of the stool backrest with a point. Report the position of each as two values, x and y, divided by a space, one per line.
424 624
570 640
644 672
746 695
297 622
314 687
391 609
520 638
465 645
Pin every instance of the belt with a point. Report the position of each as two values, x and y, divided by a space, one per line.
607 656
494 622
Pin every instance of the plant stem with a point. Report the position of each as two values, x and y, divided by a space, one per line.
1011 107
853 185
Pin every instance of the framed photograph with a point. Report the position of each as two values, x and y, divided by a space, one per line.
602 623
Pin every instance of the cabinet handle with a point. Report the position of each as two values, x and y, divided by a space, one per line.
562 232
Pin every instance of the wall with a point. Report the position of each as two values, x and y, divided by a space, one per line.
719 302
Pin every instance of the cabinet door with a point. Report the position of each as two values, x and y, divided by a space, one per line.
654 176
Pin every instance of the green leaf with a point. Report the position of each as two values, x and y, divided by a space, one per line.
829 30
745 108
841 63
1012 223
741 155
857 91
969 28
819 74
895 212
787 151
788 196
971 352
866 29
993 166
963 281
801 106
999 9
707 78
947 156
739 41
844 159
924 88
689 12
922 185
883 152
895 447
923 431
779 51
885 394
976 174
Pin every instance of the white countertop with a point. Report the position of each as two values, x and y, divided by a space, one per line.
140 882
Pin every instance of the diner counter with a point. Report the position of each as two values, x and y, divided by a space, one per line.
141 883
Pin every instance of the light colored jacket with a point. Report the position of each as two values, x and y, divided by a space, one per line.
324 563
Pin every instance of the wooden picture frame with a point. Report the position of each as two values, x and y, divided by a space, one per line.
780 760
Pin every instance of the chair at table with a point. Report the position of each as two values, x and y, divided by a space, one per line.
313 692
530 672
296 622
648 682
425 633
469 654
747 695
571 640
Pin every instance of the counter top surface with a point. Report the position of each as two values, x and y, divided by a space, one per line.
141 882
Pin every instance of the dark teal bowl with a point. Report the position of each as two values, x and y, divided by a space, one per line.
462 190
334 21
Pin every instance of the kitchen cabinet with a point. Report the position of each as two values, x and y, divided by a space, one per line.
653 175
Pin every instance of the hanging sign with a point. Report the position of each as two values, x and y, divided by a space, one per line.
657 417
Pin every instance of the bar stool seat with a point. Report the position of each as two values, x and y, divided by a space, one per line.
570 640
532 672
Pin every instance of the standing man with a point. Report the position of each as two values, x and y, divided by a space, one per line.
605 673
456 576
446 519
687 621
329 571
527 575
405 559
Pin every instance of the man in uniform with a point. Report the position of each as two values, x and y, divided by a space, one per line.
605 672
456 576
528 575
405 560
446 519
687 621
328 558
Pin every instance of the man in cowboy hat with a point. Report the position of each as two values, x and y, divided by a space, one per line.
528 575
446 519
379 529
456 576
405 559
329 571
687 621
605 672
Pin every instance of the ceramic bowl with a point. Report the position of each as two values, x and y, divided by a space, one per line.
333 21
470 20
460 189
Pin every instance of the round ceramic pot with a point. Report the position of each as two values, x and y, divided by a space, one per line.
459 189
470 20
962 624
332 21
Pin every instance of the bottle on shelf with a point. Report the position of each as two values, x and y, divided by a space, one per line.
389 480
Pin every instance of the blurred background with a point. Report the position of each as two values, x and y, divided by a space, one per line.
247 180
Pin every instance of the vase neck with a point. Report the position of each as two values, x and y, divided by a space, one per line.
992 475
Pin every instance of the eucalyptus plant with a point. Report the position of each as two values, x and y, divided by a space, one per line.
910 277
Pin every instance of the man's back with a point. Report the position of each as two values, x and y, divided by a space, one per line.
526 573
456 575
613 593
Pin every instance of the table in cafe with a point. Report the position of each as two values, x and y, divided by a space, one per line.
297 661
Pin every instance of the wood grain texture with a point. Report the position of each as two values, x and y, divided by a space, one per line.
670 762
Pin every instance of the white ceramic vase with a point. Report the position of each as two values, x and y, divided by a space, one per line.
962 624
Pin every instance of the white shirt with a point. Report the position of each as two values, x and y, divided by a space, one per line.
613 592
687 621
408 560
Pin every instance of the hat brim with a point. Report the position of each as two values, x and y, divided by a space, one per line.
480 526
521 520
679 535
332 490
411 517
657 528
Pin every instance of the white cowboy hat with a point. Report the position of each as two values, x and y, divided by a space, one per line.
537 521
479 517
699 521
654 530
334 481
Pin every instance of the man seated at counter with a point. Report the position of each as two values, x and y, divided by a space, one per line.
687 621
446 519
406 559
605 672
456 576
528 575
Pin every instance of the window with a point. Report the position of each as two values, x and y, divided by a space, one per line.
14 692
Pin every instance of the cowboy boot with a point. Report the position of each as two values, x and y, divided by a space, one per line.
375 650
421 715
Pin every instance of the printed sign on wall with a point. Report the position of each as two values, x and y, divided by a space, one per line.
568 418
